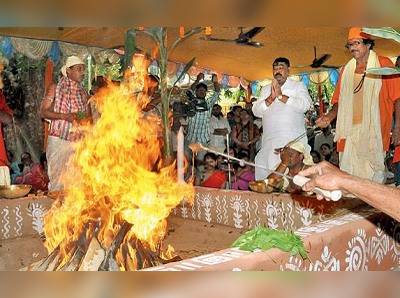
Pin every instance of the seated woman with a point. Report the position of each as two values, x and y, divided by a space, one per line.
27 163
211 176
244 174
294 159
39 179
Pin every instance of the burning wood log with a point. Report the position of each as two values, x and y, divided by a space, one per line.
94 256
78 252
108 263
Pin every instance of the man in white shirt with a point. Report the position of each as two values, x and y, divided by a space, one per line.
282 106
324 137
219 127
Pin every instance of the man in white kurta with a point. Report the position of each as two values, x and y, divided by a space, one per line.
219 127
282 106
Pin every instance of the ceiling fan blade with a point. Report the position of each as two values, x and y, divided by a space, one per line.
329 66
253 32
217 39
251 43
323 59
301 66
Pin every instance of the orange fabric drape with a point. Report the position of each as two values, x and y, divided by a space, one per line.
321 103
172 68
233 81
47 83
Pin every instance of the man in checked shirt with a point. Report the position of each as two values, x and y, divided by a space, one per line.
197 130
64 103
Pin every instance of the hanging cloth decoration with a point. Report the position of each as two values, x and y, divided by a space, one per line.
319 77
254 88
233 81
6 47
334 77
69 49
244 83
172 68
306 81
32 48
225 82
54 53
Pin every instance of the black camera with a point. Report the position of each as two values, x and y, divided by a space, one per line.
190 107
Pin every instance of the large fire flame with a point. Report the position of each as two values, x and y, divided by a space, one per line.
117 175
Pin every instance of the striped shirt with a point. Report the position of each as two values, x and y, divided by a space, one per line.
70 98
198 131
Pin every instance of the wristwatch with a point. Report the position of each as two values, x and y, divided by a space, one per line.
279 97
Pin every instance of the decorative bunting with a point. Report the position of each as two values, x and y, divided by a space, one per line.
32 48
254 89
6 47
225 82
306 81
54 53
334 77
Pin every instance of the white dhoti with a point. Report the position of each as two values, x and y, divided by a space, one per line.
266 157
369 166
58 153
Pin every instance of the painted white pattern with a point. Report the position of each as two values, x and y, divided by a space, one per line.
271 210
291 215
294 264
5 231
284 217
36 211
305 213
207 203
379 246
327 263
396 241
19 218
257 214
218 209
225 211
211 259
238 208
198 202
248 214
357 253
184 209
194 206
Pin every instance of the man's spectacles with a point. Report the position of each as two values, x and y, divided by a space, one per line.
354 43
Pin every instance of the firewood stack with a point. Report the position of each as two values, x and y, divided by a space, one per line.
87 254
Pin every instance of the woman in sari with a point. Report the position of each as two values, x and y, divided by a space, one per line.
211 177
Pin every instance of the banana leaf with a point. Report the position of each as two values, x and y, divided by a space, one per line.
384 71
265 239
130 37
185 70
384 32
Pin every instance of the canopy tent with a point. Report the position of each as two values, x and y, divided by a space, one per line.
251 63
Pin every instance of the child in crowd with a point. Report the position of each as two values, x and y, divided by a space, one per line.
326 152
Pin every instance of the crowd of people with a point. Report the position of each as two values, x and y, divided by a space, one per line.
280 130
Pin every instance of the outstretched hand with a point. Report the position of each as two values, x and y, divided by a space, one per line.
325 176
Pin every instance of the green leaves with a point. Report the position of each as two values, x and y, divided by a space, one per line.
384 32
384 71
130 38
185 70
265 239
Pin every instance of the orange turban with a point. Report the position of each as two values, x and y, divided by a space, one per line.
356 33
